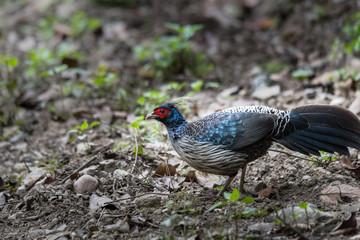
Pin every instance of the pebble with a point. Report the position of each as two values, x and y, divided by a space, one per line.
86 183
306 177
266 92
2 199
264 228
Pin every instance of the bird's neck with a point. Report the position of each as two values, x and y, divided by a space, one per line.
176 129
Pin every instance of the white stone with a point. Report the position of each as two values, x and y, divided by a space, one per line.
86 183
266 92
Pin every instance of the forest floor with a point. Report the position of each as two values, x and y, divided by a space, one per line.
116 176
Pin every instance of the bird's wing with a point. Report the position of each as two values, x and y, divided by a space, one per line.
234 130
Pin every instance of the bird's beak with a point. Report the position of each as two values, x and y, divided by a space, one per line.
151 116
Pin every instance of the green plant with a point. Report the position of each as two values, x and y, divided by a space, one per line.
8 65
319 12
40 60
351 43
14 183
77 25
352 30
104 80
302 74
170 55
274 66
344 74
304 205
138 150
81 132
325 159
8 86
233 200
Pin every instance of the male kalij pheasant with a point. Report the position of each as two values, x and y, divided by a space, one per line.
225 141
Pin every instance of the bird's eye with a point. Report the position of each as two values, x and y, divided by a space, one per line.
162 111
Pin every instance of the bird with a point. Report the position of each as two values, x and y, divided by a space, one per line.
226 141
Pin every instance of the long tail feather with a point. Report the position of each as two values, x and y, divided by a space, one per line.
315 128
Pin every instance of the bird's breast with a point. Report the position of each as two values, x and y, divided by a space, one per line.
208 157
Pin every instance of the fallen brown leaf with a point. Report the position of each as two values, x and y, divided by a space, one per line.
346 226
165 170
62 29
339 193
75 176
206 180
49 179
190 176
267 192
349 165
173 182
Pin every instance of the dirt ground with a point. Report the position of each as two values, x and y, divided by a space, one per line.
107 188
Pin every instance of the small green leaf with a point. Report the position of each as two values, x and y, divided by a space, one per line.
216 205
227 195
171 220
84 126
196 86
93 124
249 211
76 127
141 100
135 124
248 200
13 62
304 205
82 137
302 74
234 195
278 222
72 139
60 68
73 131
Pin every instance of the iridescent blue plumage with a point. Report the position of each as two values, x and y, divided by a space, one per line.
225 141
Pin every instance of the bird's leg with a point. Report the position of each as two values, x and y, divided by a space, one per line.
242 179
227 183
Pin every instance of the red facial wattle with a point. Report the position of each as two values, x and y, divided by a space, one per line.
161 112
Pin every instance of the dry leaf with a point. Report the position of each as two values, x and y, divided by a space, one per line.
190 176
75 176
346 226
267 192
49 179
339 193
62 29
266 23
348 165
165 170
206 180
173 182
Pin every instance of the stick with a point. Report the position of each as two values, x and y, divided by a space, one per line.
87 163
289 154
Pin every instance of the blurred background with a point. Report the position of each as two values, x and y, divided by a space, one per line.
79 75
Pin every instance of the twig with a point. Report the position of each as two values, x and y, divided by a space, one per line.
288 225
292 155
87 163
136 153
27 167
166 194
